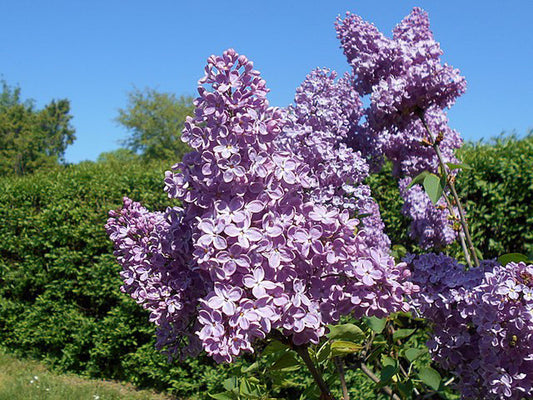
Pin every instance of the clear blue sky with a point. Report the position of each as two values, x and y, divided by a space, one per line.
94 52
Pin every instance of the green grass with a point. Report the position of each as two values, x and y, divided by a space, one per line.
30 380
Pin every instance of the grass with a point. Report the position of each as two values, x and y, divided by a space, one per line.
29 380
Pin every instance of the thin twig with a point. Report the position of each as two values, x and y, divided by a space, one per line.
340 370
462 217
372 376
461 234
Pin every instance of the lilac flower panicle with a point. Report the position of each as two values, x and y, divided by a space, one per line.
431 223
401 74
404 78
482 323
269 235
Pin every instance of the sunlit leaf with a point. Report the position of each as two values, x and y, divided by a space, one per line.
512 257
402 333
341 347
418 179
430 377
413 353
376 324
433 187
348 332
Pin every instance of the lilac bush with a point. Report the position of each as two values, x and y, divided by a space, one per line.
278 234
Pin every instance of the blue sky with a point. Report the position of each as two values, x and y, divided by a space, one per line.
94 52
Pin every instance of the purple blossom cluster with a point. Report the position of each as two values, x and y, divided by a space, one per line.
268 237
154 249
431 223
325 115
401 74
483 323
405 79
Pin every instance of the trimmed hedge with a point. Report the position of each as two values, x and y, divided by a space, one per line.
497 192
59 297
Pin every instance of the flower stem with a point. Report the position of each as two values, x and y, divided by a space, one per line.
461 234
317 376
462 216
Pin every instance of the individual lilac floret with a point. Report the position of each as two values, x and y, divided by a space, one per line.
268 248
482 323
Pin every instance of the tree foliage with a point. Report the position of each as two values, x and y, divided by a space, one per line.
155 121
31 138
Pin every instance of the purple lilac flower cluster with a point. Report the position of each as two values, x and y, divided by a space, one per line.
154 249
325 114
405 79
431 223
483 323
402 74
263 247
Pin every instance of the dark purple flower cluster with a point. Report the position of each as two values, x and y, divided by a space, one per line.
431 224
405 79
403 74
263 246
483 323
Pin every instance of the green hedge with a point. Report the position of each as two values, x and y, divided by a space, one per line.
59 297
497 191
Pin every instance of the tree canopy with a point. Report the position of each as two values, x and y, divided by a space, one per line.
155 121
31 138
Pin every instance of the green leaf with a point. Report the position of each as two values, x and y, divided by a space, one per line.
433 187
512 257
458 166
430 377
231 383
223 396
413 353
287 362
376 324
402 333
386 361
341 347
249 389
406 388
348 332
324 353
418 179
386 375
251 368
274 347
